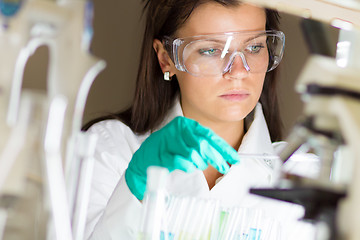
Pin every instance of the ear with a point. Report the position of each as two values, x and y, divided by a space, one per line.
165 61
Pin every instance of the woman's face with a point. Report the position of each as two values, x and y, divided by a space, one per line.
228 97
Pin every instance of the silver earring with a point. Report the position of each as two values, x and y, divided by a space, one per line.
167 76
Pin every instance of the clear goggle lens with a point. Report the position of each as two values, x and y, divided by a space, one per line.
211 55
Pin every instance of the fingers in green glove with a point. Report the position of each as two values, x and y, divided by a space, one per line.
182 144
212 148
186 162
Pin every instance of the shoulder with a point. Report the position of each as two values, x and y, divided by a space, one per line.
115 134
107 127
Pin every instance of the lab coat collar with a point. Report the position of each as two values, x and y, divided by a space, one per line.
259 133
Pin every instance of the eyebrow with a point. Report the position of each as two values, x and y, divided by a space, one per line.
256 36
214 39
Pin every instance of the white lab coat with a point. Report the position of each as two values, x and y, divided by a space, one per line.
114 213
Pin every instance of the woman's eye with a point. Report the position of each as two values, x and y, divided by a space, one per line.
209 51
254 48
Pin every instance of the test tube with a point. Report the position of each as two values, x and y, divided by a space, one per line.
171 213
271 229
215 223
197 221
241 229
253 229
201 229
188 220
152 227
234 218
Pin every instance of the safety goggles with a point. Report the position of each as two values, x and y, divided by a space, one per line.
214 54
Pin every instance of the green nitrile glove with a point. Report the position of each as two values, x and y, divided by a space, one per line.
182 144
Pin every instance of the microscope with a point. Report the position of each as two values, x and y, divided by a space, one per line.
330 123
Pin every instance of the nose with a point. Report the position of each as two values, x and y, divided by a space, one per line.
237 66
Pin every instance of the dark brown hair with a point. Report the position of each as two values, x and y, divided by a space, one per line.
154 96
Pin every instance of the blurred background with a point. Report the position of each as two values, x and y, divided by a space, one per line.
118 27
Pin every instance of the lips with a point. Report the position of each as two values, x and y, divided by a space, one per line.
235 95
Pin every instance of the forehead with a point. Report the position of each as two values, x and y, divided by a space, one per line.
212 17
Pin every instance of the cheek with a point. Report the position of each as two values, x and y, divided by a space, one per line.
259 84
194 87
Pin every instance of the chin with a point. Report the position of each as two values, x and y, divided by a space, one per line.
235 114
232 117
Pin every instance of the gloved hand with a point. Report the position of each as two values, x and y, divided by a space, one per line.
182 144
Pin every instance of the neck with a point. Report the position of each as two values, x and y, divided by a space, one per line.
231 132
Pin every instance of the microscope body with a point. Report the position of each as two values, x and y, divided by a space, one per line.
332 100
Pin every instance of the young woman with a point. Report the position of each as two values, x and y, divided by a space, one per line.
206 90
